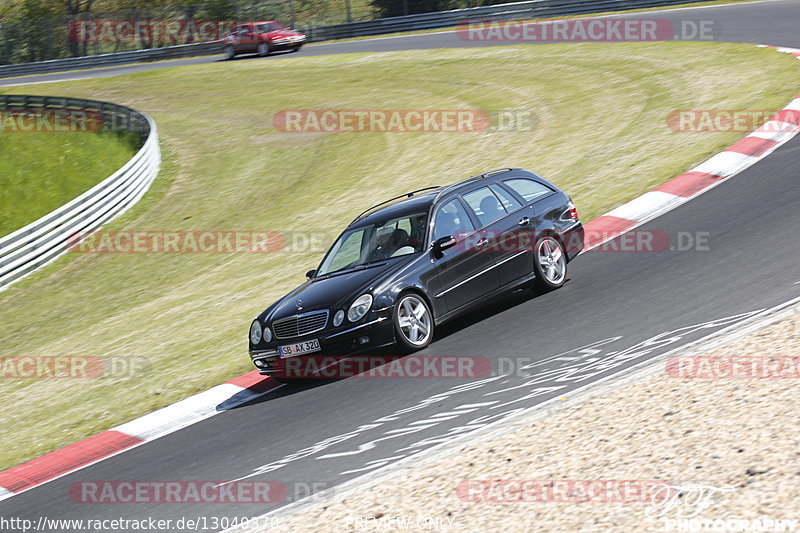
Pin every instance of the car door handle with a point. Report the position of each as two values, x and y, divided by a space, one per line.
482 242
524 221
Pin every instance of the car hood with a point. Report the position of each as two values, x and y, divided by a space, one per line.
334 291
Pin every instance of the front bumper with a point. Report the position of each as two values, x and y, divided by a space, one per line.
288 45
375 333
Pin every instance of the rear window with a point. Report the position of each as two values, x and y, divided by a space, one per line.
530 190
509 202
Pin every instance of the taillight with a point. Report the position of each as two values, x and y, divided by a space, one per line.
573 211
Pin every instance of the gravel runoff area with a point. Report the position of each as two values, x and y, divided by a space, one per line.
732 445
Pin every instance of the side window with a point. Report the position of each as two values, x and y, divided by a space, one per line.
508 201
485 205
528 189
451 219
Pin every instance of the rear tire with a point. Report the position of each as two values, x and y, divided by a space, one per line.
228 53
413 322
549 264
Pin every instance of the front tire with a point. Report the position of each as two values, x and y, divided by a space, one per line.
413 322
549 264
263 49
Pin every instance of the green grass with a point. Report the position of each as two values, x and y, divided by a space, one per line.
601 134
40 171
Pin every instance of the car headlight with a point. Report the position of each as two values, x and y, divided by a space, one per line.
255 332
267 333
338 318
359 307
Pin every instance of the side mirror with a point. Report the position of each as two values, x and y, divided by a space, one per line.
311 273
443 243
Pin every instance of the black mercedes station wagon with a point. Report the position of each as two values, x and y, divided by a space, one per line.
406 265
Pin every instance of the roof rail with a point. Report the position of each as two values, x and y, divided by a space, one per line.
406 195
476 177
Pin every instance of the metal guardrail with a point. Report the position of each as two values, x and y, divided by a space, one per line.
518 10
109 60
45 239
422 21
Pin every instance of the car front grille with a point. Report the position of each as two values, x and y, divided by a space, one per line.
299 325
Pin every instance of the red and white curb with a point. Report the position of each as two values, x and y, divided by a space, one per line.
745 153
131 434
756 146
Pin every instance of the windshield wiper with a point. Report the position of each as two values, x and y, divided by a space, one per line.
362 266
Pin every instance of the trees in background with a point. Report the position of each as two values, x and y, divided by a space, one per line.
37 30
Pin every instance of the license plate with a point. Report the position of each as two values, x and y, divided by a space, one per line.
290 350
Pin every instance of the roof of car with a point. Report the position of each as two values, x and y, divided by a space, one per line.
416 203
420 200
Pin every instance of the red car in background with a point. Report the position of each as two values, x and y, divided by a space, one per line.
261 38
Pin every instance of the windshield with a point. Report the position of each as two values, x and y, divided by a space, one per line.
395 237
269 26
